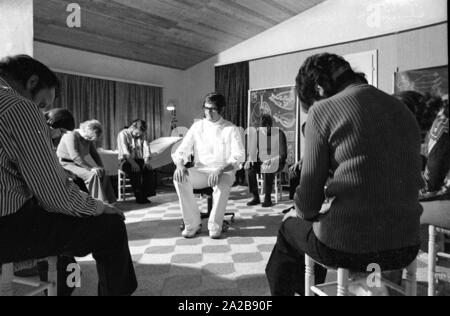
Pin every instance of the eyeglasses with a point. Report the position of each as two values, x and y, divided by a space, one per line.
210 109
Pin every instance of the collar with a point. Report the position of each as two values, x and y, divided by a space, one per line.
219 122
5 86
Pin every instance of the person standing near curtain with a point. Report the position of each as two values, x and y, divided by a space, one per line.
135 155
72 152
271 155
218 151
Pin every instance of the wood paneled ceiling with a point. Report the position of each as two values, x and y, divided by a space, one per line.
172 33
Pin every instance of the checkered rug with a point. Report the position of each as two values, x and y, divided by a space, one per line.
169 265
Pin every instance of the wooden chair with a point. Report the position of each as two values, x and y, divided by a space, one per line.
341 287
8 280
277 185
433 255
124 188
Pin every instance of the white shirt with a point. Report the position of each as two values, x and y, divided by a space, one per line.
213 144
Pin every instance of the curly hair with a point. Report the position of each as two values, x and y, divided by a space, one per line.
330 71
91 129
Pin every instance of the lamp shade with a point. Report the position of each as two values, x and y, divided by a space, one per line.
171 106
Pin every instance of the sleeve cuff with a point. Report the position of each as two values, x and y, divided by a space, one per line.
100 208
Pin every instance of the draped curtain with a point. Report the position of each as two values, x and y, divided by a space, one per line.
139 102
233 82
114 104
87 99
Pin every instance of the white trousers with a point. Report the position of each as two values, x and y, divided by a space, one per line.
189 207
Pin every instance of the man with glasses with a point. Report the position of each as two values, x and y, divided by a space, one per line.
218 151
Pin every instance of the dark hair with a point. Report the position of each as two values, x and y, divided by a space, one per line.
266 120
60 118
424 107
304 129
21 67
216 99
141 125
362 77
330 71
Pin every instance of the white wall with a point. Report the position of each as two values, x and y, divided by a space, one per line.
16 27
338 21
415 49
95 65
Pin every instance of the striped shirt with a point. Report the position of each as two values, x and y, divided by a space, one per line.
28 165
134 148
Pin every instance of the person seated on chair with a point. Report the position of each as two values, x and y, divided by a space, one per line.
60 122
72 151
134 155
218 151
42 213
267 156
437 173
371 142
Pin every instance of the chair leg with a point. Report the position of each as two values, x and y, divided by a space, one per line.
309 276
276 189
432 254
411 279
119 186
53 276
343 281
6 281
280 187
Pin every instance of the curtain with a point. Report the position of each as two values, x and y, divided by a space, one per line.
114 104
233 82
139 102
87 99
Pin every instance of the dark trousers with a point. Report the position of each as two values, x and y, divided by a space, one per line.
294 182
252 174
143 182
286 268
34 233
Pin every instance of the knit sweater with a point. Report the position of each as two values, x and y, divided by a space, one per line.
371 142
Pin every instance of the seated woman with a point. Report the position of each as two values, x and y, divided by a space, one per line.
72 152
60 122
436 193
371 143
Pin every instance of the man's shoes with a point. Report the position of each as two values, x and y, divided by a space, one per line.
143 201
267 203
254 202
191 233
215 234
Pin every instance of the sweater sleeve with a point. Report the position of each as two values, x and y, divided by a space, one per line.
310 194
73 148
